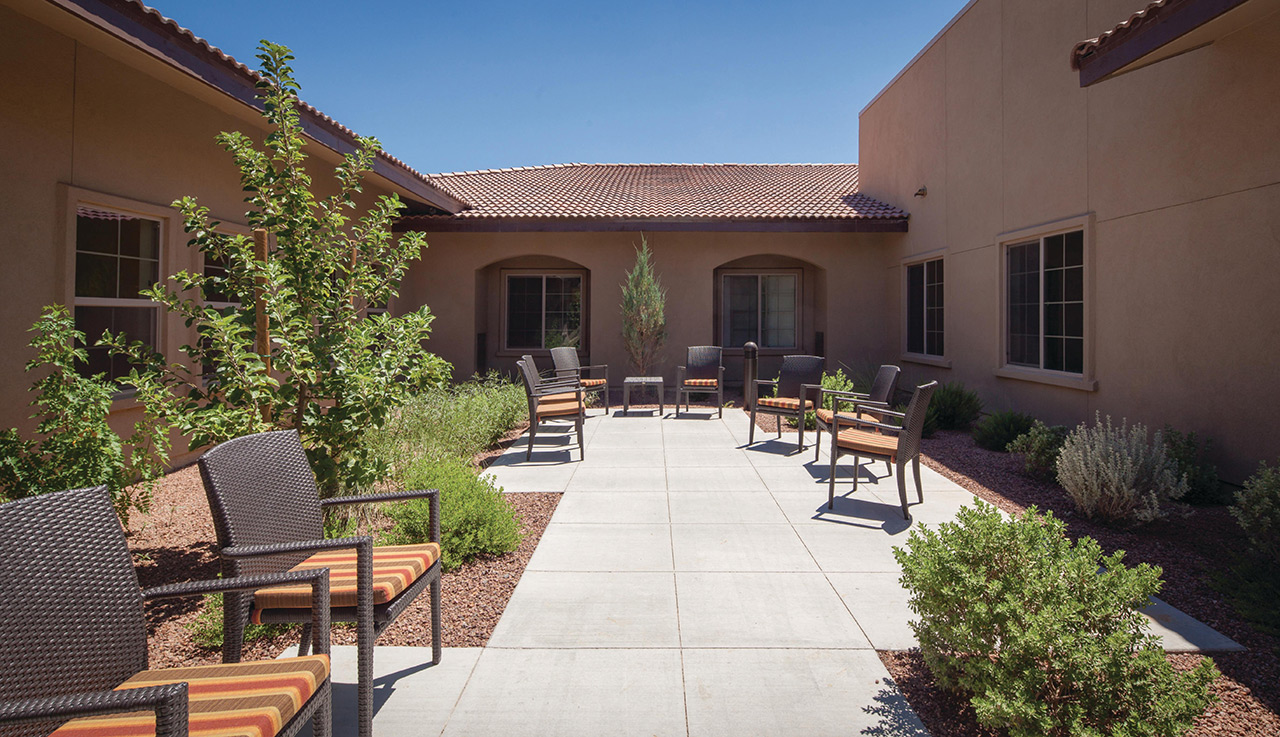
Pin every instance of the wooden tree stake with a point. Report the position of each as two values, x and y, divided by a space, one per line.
260 308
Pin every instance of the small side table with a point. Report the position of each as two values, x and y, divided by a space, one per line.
634 381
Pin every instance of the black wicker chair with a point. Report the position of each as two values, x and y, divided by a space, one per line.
702 373
268 516
550 378
549 402
72 630
568 367
881 394
799 380
894 443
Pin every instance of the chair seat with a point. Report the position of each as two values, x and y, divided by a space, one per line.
592 383
783 403
395 568
563 397
868 442
846 418
553 407
702 382
254 699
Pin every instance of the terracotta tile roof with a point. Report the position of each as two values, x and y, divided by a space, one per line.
190 43
1149 14
692 192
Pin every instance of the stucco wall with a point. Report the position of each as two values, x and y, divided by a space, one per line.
844 288
1177 166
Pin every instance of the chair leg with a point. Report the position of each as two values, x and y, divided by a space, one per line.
817 443
720 401
533 432
235 616
779 425
364 643
435 620
305 644
902 489
888 467
582 449
915 466
800 439
751 432
857 468
831 479
322 720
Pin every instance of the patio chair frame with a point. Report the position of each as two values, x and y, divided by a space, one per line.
908 446
569 367
550 377
268 516
76 629
528 373
883 388
791 382
702 362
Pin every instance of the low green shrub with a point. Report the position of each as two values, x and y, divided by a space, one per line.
1114 474
475 518
1043 642
930 420
837 381
206 628
1040 447
956 407
998 429
1192 456
1257 510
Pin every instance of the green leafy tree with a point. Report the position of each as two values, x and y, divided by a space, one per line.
75 447
644 319
331 371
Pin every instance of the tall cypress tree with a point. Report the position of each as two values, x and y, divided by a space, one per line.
644 319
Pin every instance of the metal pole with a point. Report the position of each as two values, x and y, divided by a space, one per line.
750 355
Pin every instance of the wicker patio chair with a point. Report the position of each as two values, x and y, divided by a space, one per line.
702 373
799 379
568 367
550 378
268 516
881 394
73 638
894 443
551 401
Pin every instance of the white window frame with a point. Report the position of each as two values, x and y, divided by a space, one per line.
504 277
1084 381
723 307
927 359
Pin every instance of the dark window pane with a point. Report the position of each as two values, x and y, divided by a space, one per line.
137 323
1053 285
139 238
1074 320
915 309
1053 252
1074 248
778 297
524 312
1053 319
1074 288
95 275
96 231
1053 354
742 305
1074 359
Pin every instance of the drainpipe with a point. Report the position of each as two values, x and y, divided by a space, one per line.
750 355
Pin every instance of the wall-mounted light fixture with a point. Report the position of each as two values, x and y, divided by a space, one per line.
923 191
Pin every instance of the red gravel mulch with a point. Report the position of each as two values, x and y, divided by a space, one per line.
175 543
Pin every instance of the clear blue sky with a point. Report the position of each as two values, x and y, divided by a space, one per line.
476 85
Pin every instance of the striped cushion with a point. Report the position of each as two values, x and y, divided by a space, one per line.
565 397
783 403
824 416
701 382
394 568
868 442
549 408
255 699
592 383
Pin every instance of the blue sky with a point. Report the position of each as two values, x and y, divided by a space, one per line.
476 85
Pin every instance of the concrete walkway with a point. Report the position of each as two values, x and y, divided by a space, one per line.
689 585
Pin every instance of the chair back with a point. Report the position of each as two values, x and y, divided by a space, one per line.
262 490
797 370
886 382
532 365
71 617
703 362
566 361
913 423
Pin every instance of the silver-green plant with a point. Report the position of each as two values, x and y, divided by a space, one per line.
644 319
1115 474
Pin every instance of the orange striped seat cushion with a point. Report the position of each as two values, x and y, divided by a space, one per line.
825 415
868 442
783 403
592 383
565 397
701 382
557 408
254 699
395 567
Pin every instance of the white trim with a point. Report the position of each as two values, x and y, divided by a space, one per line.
1044 376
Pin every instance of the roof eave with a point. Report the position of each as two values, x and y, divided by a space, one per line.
119 20
603 225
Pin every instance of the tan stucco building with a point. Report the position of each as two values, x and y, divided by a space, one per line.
1093 226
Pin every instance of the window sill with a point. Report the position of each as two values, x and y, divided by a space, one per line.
926 360
1052 378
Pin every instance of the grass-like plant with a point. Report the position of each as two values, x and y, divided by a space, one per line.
644 317
955 407
1192 456
1044 635
998 429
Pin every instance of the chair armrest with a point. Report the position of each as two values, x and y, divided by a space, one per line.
317 577
848 420
770 382
879 408
809 388
297 546
433 516
847 396
856 401
168 701
546 390
604 366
